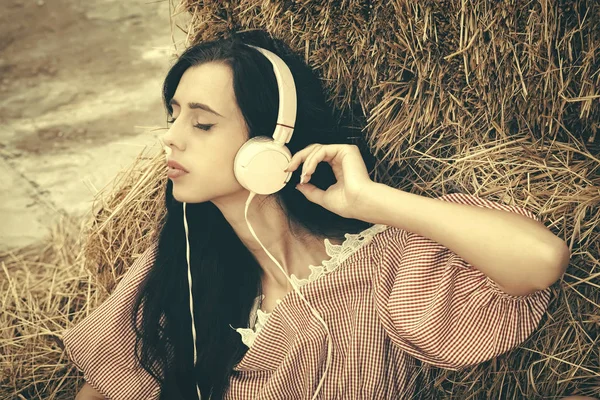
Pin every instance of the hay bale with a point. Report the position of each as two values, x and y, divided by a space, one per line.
498 99
55 284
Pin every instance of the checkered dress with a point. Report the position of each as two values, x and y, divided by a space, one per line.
391 299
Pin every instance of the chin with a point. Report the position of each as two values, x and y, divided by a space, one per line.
182 196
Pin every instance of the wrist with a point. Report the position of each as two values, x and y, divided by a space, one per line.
365 205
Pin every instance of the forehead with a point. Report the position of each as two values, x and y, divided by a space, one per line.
210 83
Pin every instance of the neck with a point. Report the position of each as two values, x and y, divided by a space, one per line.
294 252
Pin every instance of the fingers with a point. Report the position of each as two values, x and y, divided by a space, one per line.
311 156
319 154
310 164
299 157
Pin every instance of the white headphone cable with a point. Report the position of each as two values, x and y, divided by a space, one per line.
295 287
187 254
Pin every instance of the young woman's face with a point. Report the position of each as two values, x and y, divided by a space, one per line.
205 142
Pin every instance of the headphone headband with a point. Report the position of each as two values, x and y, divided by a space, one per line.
286 117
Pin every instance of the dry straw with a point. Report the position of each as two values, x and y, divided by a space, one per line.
48 287
498 99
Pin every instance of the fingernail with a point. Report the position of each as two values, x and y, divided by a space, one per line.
301 179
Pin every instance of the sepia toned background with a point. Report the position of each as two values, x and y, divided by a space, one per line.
80 86
500 99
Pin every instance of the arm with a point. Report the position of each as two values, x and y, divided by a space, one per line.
102 345
519 254
87 392
438 308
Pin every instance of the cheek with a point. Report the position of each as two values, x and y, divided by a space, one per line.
215 160
214 172
206 183
218 165
222 153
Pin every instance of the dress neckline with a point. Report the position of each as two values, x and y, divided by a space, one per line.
338 254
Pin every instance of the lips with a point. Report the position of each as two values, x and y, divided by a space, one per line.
175 173
175 165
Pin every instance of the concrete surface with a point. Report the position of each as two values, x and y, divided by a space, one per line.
80 93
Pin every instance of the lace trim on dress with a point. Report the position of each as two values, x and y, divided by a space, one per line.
338 253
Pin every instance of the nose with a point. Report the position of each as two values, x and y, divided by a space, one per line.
167 149
167 141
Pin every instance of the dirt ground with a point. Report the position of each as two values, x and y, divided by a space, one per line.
80 87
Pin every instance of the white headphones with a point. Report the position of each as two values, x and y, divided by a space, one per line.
259 164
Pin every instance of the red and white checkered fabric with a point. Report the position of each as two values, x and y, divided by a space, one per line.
398 298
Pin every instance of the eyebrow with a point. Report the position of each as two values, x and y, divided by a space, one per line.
198 106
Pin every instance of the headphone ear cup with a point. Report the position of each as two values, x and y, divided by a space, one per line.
260 163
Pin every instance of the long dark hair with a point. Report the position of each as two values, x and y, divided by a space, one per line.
226 276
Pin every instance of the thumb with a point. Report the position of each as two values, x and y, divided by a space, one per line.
311 192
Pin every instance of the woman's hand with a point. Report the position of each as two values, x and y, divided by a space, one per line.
344 197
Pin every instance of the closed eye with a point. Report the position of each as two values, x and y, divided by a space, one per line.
204 127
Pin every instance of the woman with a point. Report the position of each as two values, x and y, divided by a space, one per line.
392 293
